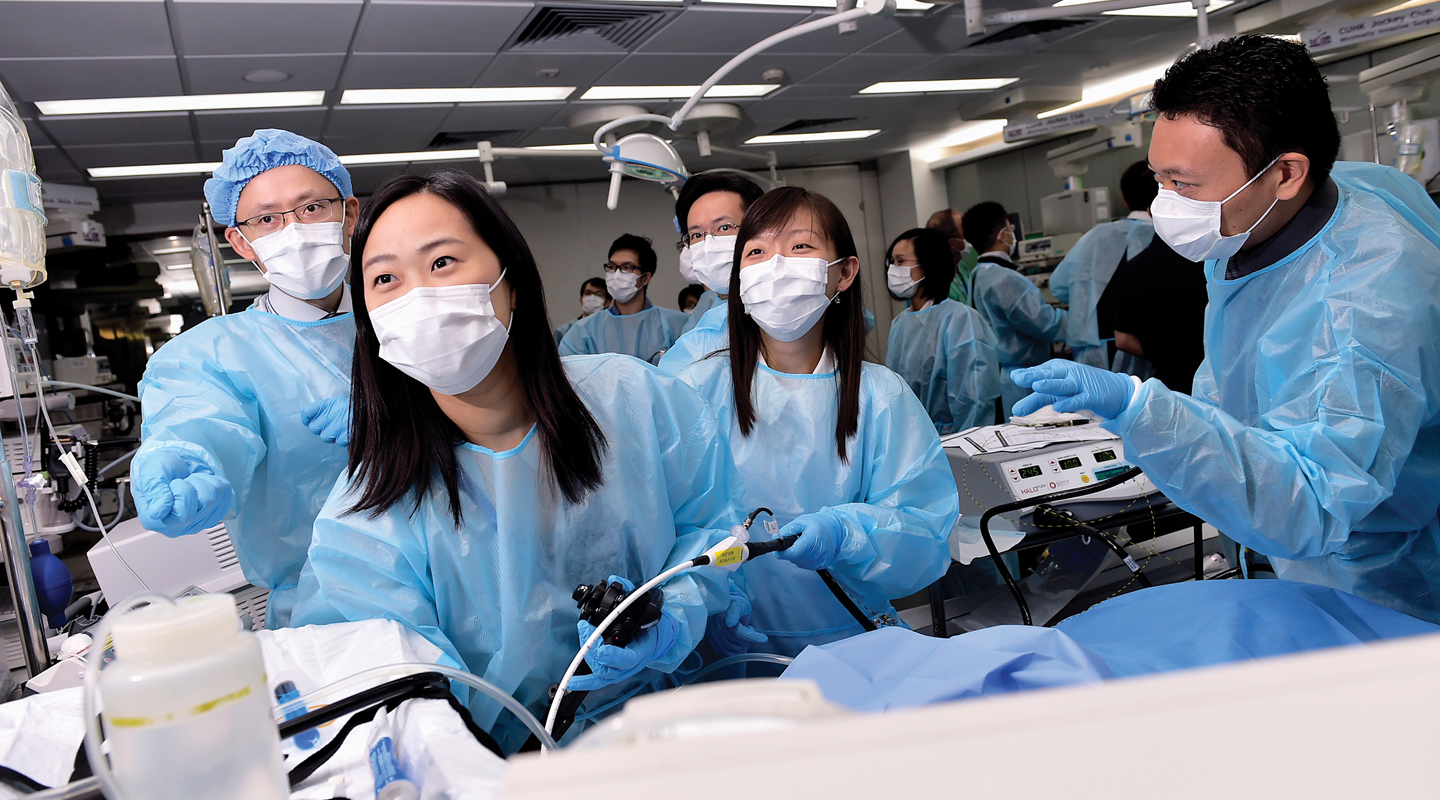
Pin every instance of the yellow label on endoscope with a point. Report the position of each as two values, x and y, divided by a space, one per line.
734 555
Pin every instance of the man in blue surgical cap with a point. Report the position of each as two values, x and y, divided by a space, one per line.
233 406
1313 436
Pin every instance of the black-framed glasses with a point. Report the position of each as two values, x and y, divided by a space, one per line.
891 262
723 229
611 266
311 212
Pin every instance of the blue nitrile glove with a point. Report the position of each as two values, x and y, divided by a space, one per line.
821 537
1071 387
610 664
177 494
730 634
329 419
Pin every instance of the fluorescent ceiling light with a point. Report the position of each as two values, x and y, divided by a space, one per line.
1159 10
153 170
1112 89
565 148
924 87
934 149
902 5
803 138
482 94
676 92
193 102
1393 9
405 158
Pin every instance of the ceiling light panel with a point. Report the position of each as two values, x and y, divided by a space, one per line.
676 92
194 102
902 5
483 94
153 170
806 138
929 87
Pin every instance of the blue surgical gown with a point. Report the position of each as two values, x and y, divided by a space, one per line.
1082 277
711 334
229 391
495 594
564 328
645 335
1024 324
947 354
708 300
894 495
1313 434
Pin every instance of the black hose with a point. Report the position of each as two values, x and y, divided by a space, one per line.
844 598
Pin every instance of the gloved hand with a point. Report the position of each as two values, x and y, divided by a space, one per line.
177 494
821 537
329 419
610 664
730 634
1071 387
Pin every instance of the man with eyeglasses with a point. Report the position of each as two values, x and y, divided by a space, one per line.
632 325
233 406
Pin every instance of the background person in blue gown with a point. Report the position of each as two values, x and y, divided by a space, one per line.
632 325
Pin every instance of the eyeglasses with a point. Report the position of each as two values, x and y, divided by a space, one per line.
610 266
723 229
311 212
890 262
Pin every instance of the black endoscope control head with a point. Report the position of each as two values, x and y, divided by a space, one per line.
596 602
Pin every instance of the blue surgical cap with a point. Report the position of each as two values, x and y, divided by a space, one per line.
265 150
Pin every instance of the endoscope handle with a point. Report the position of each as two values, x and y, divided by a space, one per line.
772 545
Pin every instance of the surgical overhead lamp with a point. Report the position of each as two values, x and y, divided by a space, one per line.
644 156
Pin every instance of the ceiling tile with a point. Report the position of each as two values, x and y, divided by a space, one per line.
119 155
500 116
175 187
49 160
84 78
226 74
41 29
519 69
829 40
384 129
412 70
421 27
862 70
720 30
941 30
118 129
38 138
234 28
228 126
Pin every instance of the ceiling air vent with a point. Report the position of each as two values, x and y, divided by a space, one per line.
1036 28
560 29
812 125
448 139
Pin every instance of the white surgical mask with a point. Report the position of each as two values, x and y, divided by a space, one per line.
305 260
446 337
786 296
713 259
1192 227
899 280
622 285
591 303
686 270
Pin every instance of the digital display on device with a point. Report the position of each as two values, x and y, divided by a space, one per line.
1104 455
1070 463
1029 472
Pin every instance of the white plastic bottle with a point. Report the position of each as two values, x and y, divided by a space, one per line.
186 708
22 218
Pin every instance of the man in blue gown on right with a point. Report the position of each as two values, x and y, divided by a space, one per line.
1313 435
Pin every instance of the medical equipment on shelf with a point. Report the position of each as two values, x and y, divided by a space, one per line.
998 464
205 562
186 707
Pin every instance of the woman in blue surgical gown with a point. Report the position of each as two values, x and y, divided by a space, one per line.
840 450
942 348
488 478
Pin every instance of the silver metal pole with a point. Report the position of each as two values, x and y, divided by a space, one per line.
17 564
217 262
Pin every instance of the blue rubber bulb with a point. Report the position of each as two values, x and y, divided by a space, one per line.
53 584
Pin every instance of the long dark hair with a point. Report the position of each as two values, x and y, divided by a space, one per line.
399 438
844 322
937 261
